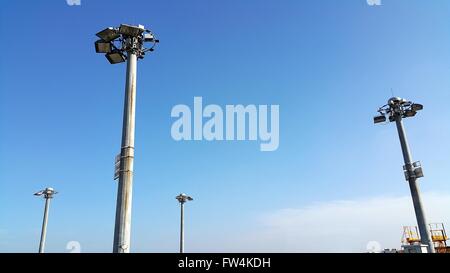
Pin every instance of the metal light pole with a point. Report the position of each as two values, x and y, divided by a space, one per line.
125 43
48 194
182 198
182 228
396 110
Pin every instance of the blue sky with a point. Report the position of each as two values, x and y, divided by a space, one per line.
328 64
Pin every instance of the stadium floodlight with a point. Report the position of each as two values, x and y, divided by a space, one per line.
131 31
39 193
397 109
416 107
182 198
409 113
108 34
125 43
379 119
148 37
115 57
47 193
103 47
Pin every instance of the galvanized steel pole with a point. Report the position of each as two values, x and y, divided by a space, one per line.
124 194
182 228
47 193
182 198
115 43
44 225
420 214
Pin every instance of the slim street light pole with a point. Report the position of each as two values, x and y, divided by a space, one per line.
396 110
182 198
119 44
48 194
44 226
182 228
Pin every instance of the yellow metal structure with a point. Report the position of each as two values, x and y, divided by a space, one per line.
410 235
438 235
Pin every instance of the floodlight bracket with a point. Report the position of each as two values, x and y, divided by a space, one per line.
399 107
183 198
47 193
131 39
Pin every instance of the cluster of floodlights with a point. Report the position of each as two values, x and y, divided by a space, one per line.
46 193
397 107
114 42
183 198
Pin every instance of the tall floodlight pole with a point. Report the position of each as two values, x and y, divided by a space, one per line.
182 198
47 193
396 109
119 44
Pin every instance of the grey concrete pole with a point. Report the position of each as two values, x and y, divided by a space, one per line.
182 228
44 226
425 234
124 193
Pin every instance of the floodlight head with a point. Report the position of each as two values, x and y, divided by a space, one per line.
416 107
108 34
115 57
103 47
131 31
379 119
148 37
39 193
409 113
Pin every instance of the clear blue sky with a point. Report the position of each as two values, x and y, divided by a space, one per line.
328 64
